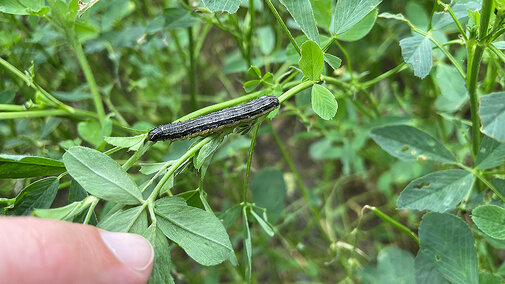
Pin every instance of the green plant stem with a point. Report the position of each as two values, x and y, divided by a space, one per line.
474 59
305 191
190 153
9 107
246 98
249 159
113 109
202 35
384 75
441 47
483 179
180 49
341 85
219 106
34 85
250 33
497 172
88 74
475 50
347 59
497 52
191 75
393 222
134 158
485 16
238 35
284 27
333 38
296 89
160 171
45 113
91 209
455 19
33 113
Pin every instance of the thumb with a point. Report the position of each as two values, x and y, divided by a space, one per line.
47 251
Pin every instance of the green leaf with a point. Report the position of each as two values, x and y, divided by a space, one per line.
207 151
254 72
132 143
348 13
232 148
90 131
332 60
19 166
114 11
311 62
162 261
302 13
323 102
151 168
266 39
176 18
408 143
417 15
198 232
247 246
132 220
267 79
322 12
491 154
438 191
426 271
101 176
39 194
267 227
230 6
22 7
361 29
491 220
64 13
66 213
77 193
492 115
395 266
269 191
448 243
452 88
488 278
229 216
251 85
416 51
460 10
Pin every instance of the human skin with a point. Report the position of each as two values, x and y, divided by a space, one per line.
34 250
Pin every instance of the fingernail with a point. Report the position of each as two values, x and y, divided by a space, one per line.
132 250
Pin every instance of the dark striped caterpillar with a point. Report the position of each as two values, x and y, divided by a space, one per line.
214 121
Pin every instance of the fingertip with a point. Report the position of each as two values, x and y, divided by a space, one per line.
47 251
132 250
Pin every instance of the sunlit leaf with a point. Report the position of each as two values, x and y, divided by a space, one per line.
491 220
448 242
101 176
348 13
438 191
416 51
492 115
301 10
312 60
323 102
410 144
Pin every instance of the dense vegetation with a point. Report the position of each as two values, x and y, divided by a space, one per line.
385 162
